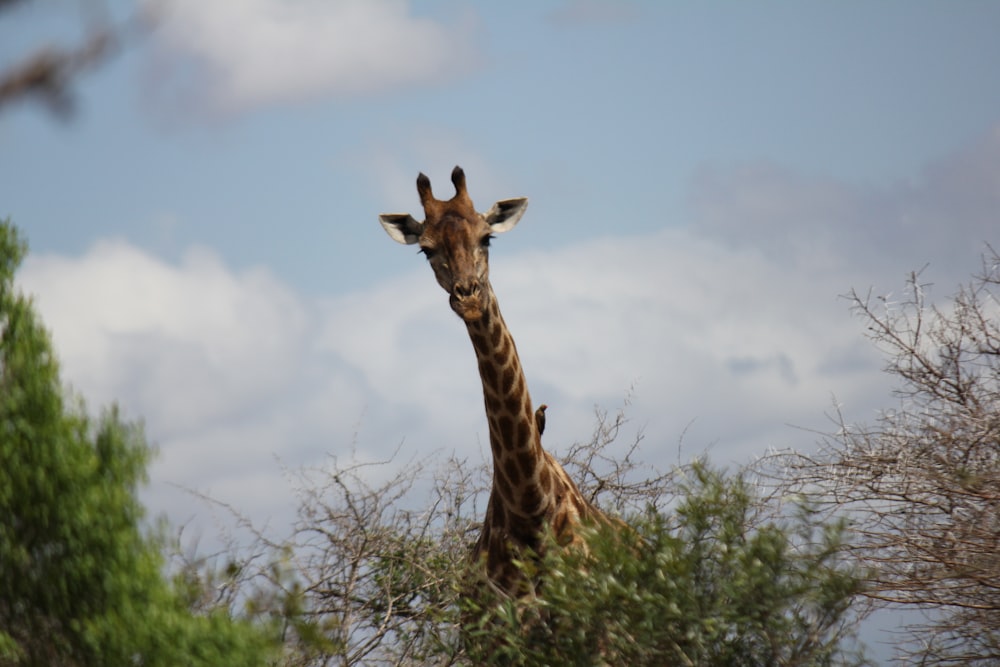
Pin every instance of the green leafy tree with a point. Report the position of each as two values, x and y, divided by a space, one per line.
711 574
81 581
710 583
372 573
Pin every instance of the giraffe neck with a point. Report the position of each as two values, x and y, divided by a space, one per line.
520 467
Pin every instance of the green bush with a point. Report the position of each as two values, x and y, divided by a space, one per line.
81 581
711 583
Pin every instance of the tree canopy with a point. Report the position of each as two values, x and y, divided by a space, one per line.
81 576
708 571
712 583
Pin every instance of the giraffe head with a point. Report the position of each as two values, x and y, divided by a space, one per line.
455 239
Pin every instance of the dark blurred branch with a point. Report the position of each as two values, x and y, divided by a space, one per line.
47 74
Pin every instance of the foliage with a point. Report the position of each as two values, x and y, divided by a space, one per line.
374 578
80 583
372 572
922 484
708 584
715 580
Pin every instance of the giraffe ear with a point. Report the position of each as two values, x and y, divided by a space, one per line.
401 227
503 215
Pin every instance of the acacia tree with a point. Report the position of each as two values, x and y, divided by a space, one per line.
722 579
922 484
374 573
81 580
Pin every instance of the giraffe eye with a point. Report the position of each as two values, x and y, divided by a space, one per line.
428 252
485 241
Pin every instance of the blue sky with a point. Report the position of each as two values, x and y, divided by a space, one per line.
705 180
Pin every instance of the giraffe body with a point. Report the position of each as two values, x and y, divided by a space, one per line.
531 493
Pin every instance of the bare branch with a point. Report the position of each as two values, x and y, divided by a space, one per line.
922 485
47 74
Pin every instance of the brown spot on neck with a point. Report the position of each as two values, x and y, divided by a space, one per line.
514 438
505 389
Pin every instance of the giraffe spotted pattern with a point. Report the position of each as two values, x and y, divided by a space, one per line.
531 493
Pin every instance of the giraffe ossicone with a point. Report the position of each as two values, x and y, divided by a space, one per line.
531 493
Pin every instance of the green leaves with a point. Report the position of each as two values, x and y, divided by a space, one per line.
710 575
711 583
81 583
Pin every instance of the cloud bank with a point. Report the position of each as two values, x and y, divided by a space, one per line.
231 55
726 331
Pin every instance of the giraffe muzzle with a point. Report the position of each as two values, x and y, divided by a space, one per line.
466 300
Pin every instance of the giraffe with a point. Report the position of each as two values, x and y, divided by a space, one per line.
531 492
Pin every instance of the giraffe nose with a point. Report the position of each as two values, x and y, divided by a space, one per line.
466 288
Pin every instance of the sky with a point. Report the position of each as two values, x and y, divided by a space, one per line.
706 181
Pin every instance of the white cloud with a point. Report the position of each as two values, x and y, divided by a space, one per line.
707 333
718 335
187 342
733 324
232 371
942 217
207 357
245 53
